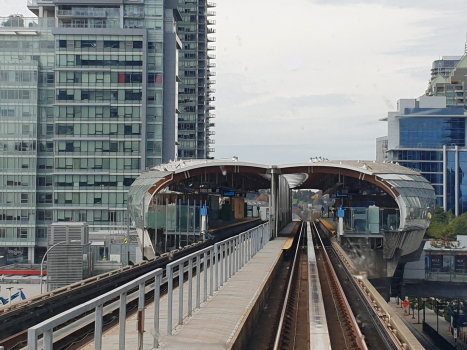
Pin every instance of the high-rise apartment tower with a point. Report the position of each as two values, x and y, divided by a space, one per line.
195 121
89 93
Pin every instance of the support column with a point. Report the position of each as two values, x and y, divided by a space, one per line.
273 207
445 179
456 183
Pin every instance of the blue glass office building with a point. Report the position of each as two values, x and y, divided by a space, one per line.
426 135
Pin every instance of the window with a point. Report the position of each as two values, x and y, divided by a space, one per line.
8 112
22 233
24 198
111 44
133 95
137 44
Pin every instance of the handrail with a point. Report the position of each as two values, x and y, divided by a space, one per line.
46 327
225 258
231 253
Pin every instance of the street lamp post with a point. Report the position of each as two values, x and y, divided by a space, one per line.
48 250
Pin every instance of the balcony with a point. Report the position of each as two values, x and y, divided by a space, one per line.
211 99
25 23
85 12
211 13
211 39
211 22
211 82
211 74
211 4
212 125
209 107
211 48
211 91
211 65
210 133
211 57
211 149
211 30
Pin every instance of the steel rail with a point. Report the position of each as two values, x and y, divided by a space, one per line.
387 336
287 294
360 338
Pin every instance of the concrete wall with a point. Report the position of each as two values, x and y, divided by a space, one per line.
248 326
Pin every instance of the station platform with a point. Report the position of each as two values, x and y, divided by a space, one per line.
330 224
219 322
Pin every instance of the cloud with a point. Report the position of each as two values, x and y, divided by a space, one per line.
293 62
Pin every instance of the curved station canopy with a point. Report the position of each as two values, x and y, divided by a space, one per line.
413 194
386 207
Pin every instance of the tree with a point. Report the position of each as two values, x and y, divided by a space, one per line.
457 226
440 220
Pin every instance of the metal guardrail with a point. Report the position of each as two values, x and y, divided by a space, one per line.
226 258
46 327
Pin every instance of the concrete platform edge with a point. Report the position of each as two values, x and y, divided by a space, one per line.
247 327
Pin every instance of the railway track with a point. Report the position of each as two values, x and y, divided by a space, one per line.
375 334
292 329
346 333
14 322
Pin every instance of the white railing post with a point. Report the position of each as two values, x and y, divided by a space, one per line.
231 243
205 281
122 322
98 327
157 297
221 260
48 340
169 274
32 340
237 251
227 257
198 280
241 250
180 293
190 286
140 325
215 258
211 272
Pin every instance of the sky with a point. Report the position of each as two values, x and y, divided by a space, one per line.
304 78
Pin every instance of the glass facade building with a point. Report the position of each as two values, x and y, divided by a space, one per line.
88 100
429 133
426 135
195 90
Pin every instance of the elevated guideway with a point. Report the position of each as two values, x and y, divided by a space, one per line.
224 320
221 297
